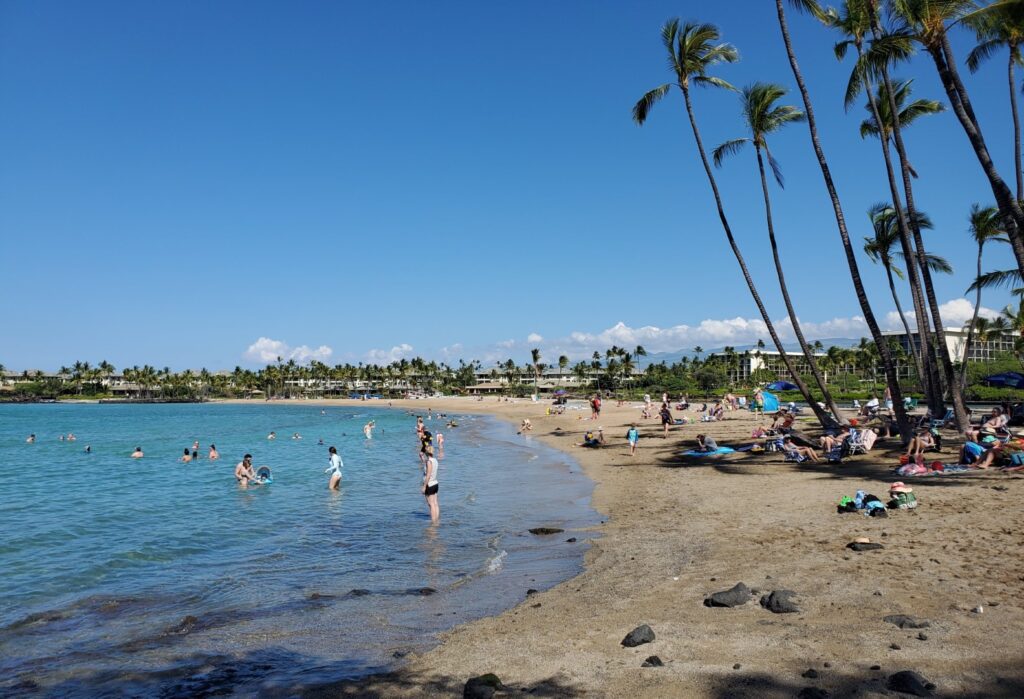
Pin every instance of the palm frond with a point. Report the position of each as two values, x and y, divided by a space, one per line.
643 106
776 169
711 81
996 280
855 85
811 7
981 53
841 47
728 148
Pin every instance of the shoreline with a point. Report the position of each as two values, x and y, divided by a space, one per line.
674 531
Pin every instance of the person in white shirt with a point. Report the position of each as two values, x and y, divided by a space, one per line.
334 469
430 485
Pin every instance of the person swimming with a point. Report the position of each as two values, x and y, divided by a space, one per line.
334 469
213 455
272 435
186 457
137 454
31 439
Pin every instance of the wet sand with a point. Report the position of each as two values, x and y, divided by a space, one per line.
677 530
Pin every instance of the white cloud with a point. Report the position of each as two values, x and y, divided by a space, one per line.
954 313
266 351
379 356
534 338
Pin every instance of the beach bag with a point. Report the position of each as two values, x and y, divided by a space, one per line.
1017 459
902 501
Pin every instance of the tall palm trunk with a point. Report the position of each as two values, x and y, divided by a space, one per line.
940 347
929 377
804 347
942 56
869 316
1014 56
822 416
974 321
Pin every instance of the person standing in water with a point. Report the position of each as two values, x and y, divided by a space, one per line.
186 457
430 484
334 469
137 454
195 450
213 455
243 471
31 439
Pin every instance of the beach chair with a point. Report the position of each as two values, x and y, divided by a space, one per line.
793 456
935 424
856 442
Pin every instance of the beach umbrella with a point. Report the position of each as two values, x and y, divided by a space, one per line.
560 392
1008 379
781 386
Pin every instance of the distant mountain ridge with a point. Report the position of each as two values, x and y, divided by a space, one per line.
673 357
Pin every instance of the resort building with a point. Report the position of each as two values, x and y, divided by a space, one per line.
764 365
956 342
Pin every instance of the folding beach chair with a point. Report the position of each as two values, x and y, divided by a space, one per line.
856 442
942 423
793 456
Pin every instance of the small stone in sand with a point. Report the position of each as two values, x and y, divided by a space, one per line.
895 646
637 637
907 622
876 667
861 546
531 591
910 682
737 666
653 661
922 636
813 693
733 597
481 687
810 674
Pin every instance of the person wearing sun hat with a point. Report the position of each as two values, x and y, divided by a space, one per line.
901 497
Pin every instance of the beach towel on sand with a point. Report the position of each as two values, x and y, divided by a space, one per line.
716 452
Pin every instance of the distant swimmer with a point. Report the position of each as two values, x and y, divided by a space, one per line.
323 412
525 426
88 449
243 471
272 435
61 438
430 484
334 469
213 455
71 437
137 454
440 445
320 442
419 427
186 457
31 439
195 450
296 436
368 429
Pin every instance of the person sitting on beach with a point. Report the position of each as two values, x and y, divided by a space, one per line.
806 452
213 455
186 457
137 454
666 419
706 443
589 440
870 408
995 424
783 421
977 455
759 432
718 413
829 442
243 471
920 443
525 426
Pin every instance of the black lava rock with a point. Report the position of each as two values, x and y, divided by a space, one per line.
531 591
907 622
909 682
922 636
653 661
780 602
482 687
422 591
734 597
545 531
183 627
813 693
571 540
359 592
858 546
637 637
810 674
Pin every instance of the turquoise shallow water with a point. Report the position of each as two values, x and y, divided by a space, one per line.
122 576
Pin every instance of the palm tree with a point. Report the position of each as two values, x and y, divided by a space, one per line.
763 117
1003 25
908 113
896 45
563 362
535 360
698 350
851 259
927 20
638 352
986 226
692 50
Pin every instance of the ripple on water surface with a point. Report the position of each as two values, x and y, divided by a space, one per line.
138 576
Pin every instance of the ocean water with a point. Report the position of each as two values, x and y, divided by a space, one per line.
124 577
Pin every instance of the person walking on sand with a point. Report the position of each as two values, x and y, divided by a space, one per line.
666 419
430 485
632 436
243 471
334 468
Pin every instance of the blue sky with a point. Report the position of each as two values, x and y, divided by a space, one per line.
203 184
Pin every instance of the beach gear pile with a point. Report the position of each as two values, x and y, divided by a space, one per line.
901 497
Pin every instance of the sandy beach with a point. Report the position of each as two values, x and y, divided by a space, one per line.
677 530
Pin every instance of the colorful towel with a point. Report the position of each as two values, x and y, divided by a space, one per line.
716 452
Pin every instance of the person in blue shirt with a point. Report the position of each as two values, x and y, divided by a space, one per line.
632 436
